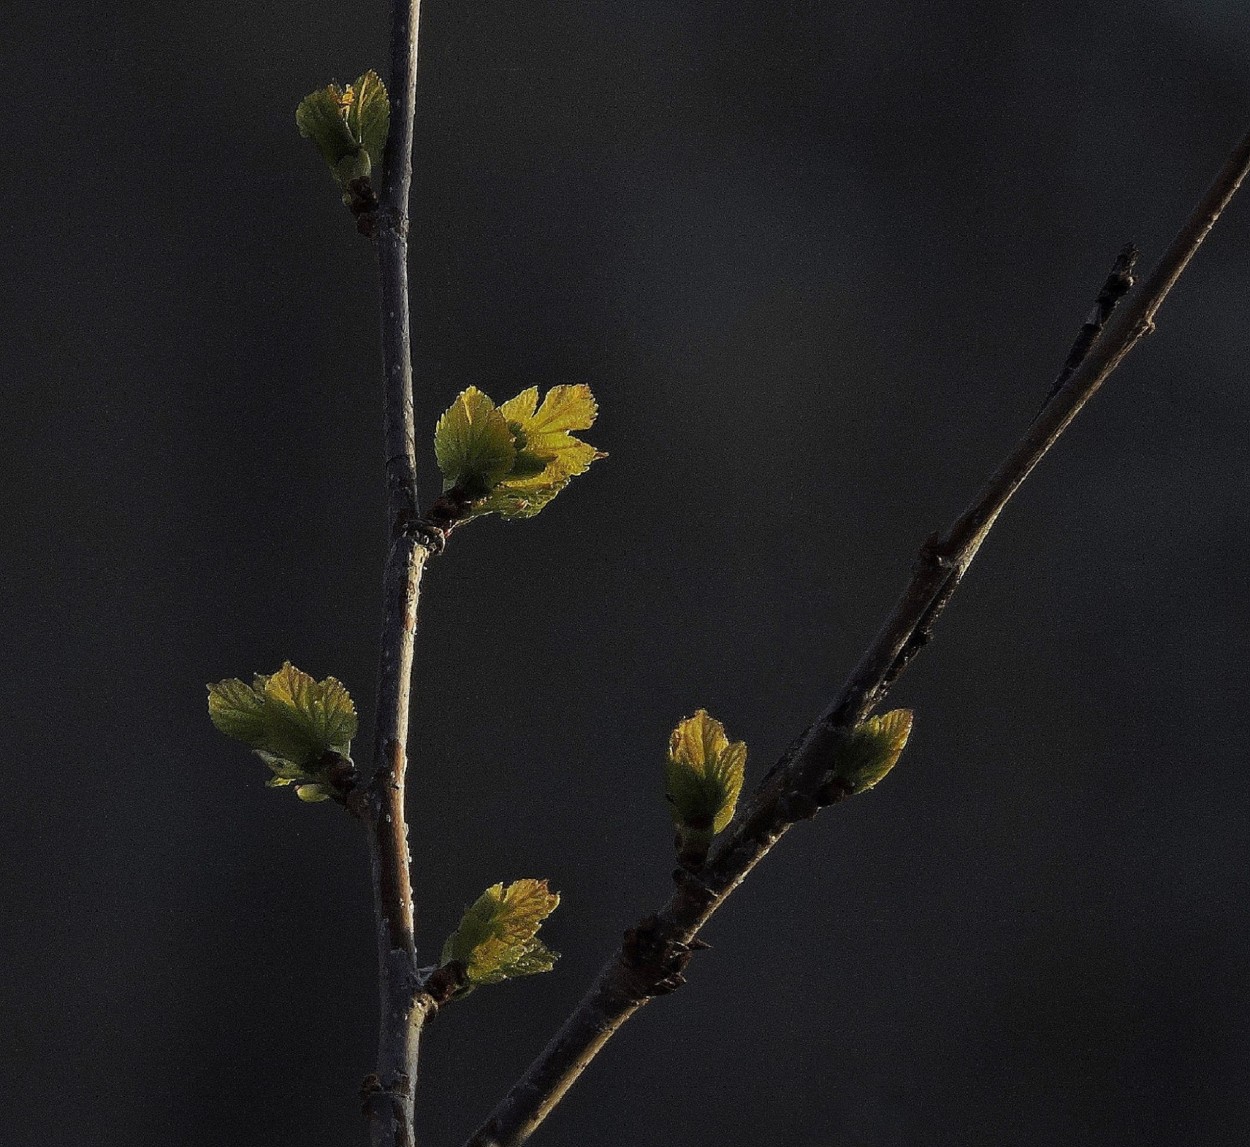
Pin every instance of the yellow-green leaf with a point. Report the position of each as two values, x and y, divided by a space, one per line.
321 117
543 433
349 125
369 116
703 776
320 713
358 165
237 711
521 408
298 726
520 500
312 793
564 408
516 477
870 750
497 937
548 456
473 445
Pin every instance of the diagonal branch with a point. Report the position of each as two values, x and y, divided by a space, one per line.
388 1093
1118 283
655 952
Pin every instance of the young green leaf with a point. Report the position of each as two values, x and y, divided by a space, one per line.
702 779
312 793
497 937
298 726
320 117
548 456
871 750
539 460
473 445
316 716
238 710
349 125
369 116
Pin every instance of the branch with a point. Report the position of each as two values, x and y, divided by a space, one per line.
655 952
388 1093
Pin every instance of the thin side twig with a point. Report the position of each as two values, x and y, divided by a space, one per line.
389 1093
654 953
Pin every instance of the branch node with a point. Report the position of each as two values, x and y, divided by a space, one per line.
934 554
392 220
668 985
796 806
372 1087
693 887
427 534
447 511
403 499
656 961
833 789
443 983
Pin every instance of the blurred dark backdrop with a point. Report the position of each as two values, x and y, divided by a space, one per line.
819 262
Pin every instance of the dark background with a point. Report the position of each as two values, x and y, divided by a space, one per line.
819 261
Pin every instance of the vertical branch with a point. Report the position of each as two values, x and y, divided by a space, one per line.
392 243
388 1094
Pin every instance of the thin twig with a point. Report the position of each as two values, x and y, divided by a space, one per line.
654 953
389 1093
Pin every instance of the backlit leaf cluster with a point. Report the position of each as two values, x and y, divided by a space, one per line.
298 726
514 458
348 124
497 937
